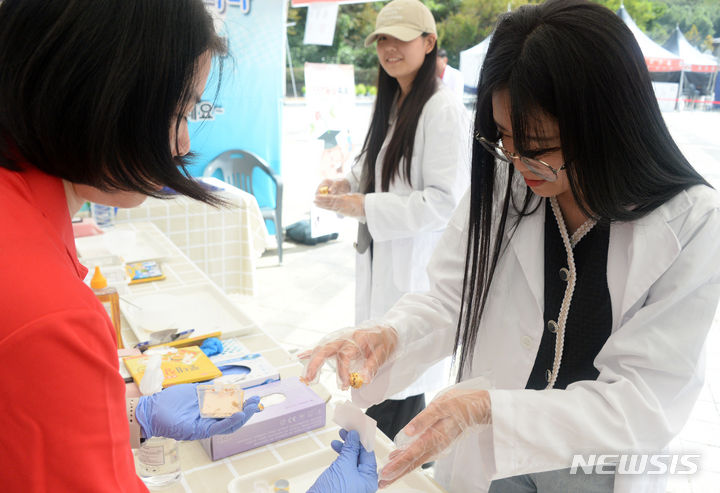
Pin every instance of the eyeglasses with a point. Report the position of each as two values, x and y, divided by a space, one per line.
539 168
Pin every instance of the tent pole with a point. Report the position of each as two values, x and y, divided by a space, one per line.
292 72
680 88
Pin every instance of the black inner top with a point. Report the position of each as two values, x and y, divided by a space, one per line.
590 317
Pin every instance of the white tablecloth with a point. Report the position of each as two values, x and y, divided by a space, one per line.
224 242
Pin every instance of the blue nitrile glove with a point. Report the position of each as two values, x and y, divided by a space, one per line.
211 346
174 413
354 471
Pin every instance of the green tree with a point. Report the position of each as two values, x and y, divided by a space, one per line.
354 23
708 44
704 14
643 12
693 36
472 22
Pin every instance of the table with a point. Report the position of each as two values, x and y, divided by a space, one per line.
224 242
200 473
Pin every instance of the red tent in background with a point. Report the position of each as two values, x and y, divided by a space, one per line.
657 58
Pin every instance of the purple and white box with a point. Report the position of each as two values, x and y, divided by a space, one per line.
301 410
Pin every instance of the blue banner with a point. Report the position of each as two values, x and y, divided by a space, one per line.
246 113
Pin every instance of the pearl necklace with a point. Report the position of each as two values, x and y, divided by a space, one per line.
569 243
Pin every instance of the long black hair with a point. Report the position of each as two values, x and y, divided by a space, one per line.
90 88
402 142
577 62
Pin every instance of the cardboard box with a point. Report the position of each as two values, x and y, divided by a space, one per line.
302 410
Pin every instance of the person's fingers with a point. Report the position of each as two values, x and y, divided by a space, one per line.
402 464
330 202
336 445
305 354
327 182
344 358
371 367
425 419
233 423
252 401
319 355
230 424
367 459
416 454
343 434
395 453
350 449
339 186
329 199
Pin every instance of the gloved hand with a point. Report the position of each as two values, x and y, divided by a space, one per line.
174 413
354 471
433 430
358 349
333 187
349 204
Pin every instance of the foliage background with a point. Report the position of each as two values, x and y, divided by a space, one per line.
464 23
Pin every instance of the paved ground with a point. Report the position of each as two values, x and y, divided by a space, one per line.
312 293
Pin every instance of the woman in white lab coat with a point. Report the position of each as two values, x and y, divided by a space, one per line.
575 285
406 183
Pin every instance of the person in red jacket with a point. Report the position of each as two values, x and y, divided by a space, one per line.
93 103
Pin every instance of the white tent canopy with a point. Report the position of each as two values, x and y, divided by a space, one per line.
657 58
471 61
693 59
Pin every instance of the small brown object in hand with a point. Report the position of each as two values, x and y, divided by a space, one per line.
356 380
324 190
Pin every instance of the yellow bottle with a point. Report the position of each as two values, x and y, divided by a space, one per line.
110 299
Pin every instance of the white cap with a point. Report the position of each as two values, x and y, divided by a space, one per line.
404 20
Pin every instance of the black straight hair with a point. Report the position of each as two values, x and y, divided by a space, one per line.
403 140
578 63
89 89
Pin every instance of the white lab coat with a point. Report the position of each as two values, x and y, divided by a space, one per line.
406 222
663 274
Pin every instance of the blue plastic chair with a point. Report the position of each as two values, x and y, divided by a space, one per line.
242 169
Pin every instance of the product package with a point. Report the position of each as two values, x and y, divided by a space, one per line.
183 365
290 408
146 271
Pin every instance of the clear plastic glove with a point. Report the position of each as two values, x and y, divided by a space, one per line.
174 413
348 204
357 352
354 471
433 430
333 187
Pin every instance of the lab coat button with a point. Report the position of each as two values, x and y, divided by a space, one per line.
527 341
564 274
552 326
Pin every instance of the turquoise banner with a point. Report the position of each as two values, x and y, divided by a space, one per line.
246 113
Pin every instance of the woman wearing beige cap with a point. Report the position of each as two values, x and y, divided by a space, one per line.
405 184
